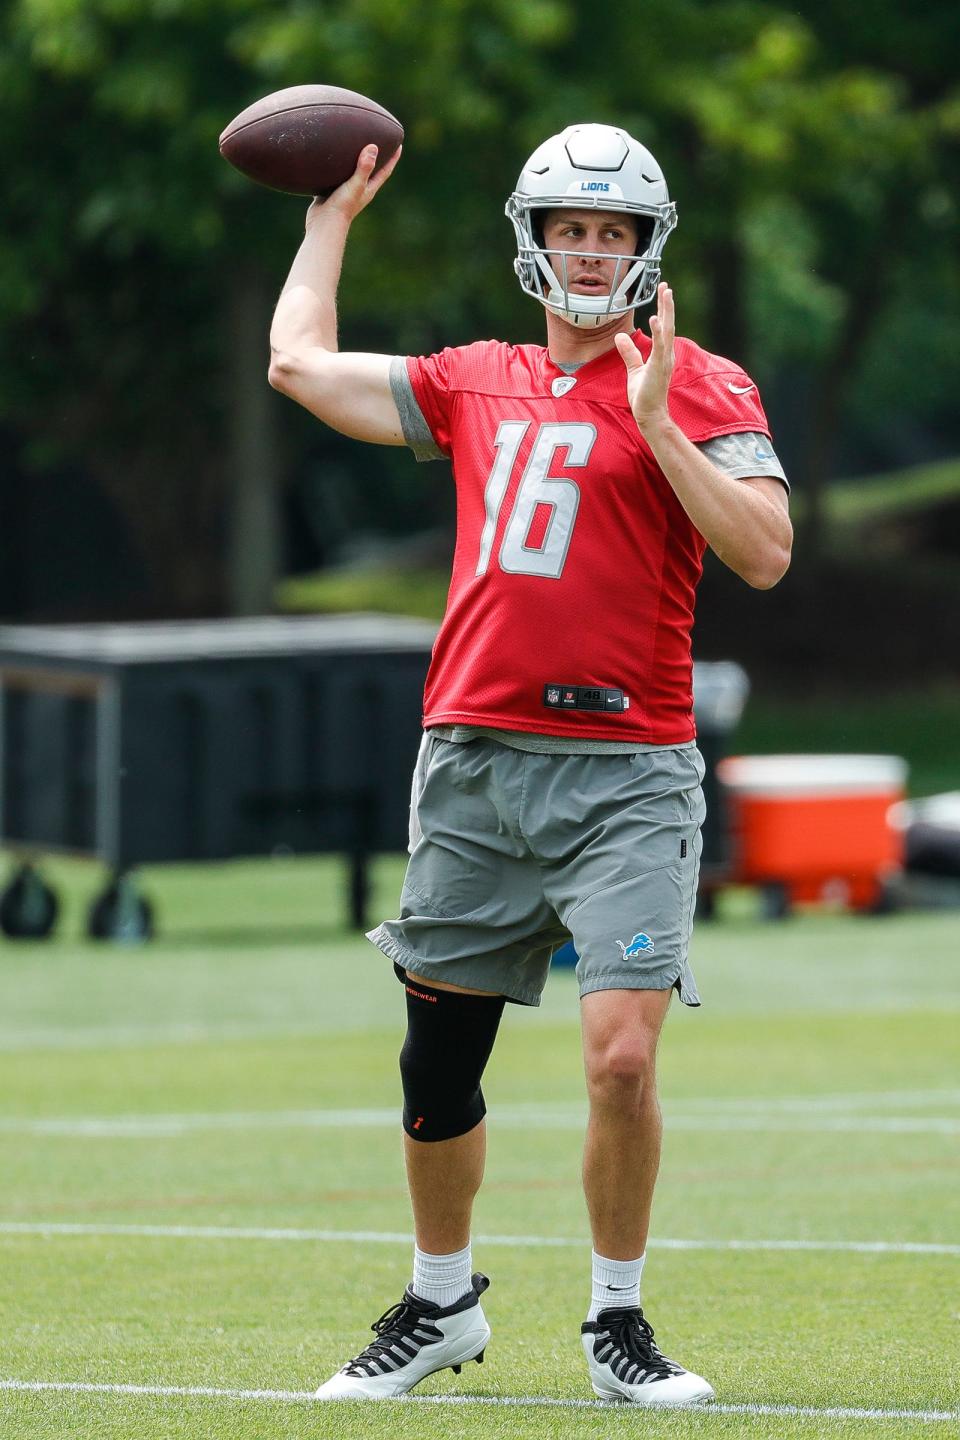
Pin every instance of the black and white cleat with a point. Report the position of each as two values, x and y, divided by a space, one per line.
626 1364
414 1340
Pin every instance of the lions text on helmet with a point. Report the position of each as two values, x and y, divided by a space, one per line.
591 168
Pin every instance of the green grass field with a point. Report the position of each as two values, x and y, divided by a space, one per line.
196 1135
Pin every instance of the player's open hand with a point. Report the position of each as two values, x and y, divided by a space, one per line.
648 383
356 193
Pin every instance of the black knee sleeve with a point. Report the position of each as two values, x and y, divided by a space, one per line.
448 1044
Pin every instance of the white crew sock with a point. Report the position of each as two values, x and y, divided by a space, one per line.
616 1284
441 1279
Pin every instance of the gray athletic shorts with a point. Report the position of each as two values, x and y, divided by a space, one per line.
512 853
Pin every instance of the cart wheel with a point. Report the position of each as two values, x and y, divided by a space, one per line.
886 901
28 907
121 914
775 901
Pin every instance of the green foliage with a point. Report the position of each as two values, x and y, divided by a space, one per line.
889 496
124 102
813 158
390 592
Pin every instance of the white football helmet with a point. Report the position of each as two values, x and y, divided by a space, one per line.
591 167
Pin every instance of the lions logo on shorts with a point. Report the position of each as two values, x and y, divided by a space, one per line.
640 945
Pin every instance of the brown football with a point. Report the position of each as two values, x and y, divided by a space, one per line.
305 140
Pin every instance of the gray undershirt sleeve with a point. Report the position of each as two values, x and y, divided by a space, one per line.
415 429
745 454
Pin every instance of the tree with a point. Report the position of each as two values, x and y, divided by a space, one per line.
811 155
812 166
136 267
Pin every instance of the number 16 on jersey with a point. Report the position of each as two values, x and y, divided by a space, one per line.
536 487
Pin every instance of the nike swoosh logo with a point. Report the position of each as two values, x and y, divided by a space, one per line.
739 389
618 1289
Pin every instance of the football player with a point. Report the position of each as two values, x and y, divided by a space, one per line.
557 790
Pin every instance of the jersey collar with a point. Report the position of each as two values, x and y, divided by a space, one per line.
599 365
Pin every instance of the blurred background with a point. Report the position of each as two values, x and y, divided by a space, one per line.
148 472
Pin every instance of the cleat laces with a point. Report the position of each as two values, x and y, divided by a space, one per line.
401 1332
625 1342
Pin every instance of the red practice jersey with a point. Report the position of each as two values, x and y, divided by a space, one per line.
576 565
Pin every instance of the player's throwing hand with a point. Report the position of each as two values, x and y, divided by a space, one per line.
356 193
648 383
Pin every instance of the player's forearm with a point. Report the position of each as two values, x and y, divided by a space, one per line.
749 533
306 313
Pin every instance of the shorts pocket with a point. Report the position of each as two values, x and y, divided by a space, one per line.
414 832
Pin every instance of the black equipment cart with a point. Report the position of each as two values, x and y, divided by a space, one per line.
203 740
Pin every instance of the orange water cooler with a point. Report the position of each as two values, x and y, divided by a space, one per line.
809 828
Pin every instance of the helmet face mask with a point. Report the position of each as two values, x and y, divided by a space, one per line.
591 167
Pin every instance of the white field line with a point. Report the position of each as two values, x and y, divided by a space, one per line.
25 1040
856 1124
813 1104
841 1100
395 1237
815 1113
304 1397
149 1127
